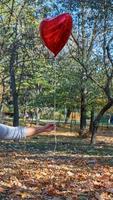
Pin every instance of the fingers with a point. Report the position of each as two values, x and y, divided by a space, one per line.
50 127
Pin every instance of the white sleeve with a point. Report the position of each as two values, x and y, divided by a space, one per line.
12 133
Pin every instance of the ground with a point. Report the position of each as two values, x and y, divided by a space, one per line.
72 170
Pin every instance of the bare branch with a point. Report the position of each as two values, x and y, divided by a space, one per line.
88 74
94 31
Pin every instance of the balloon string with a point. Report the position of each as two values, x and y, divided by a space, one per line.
55 138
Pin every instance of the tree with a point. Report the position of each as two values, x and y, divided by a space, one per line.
89 47
18 37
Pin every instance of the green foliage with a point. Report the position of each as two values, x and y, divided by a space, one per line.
39 78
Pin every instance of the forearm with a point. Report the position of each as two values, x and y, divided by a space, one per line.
31 131
34 131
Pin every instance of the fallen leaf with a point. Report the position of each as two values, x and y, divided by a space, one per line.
110 190
1 189
70 173
98 196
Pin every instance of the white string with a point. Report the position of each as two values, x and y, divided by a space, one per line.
55 138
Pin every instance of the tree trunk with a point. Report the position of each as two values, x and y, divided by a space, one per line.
13 88
83 112
2 100
91 120
97 120
83 76
67 114
37 115
16 110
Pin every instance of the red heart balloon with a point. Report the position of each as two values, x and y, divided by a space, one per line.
56 31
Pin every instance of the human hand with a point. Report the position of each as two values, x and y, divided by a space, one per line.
49 127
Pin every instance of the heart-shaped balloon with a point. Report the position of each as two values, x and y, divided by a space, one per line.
55 32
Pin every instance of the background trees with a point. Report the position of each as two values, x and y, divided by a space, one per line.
84 68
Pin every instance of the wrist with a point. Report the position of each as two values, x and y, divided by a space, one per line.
40 129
